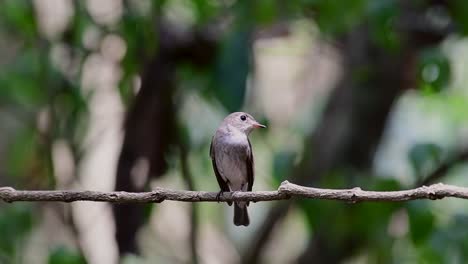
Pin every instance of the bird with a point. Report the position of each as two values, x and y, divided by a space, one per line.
232 159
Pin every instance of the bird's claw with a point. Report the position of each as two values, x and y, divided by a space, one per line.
218 196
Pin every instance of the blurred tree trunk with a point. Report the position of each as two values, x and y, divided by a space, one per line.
150 126
148 134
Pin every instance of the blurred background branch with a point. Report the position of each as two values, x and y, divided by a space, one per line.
442 170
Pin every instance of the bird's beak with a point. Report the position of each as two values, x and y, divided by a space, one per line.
258 125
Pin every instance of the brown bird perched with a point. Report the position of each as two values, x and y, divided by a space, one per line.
232 158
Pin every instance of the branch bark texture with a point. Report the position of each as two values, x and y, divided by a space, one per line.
286 191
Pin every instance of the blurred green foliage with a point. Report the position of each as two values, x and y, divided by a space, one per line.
282 165
63 255
434 70
421 221
33 85
16 223
424 158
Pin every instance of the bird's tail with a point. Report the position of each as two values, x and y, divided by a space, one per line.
241 216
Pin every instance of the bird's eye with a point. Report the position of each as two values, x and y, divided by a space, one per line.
243 117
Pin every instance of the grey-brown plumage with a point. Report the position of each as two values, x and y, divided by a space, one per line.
232 159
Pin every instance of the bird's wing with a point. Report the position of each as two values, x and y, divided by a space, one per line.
250 167
222 184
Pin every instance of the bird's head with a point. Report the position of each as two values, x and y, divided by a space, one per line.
242 122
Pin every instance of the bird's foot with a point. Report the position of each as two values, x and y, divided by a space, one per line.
218 196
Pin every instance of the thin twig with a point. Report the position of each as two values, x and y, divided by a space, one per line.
444 168
284 192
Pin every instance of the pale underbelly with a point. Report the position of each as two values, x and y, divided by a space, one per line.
233 170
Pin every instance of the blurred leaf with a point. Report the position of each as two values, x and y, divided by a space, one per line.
19 82
459 9
19 15
434 70
233 63
138 31
424 157
421 221
147 211
16 221
126 90
449 243
337 16
282 165
205 10
457 107
383 15
383 184
80 23
139 34
22 152
62 255
192 77
428 255
267 10
233 67
459 234
69 107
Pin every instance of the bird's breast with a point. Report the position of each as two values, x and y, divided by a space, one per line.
231 160
235 139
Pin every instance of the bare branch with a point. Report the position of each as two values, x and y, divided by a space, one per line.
284 192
